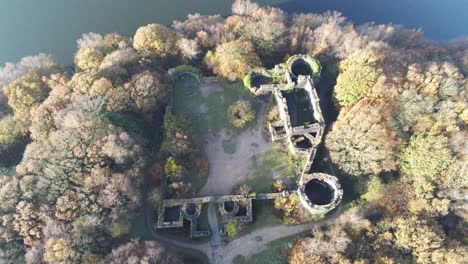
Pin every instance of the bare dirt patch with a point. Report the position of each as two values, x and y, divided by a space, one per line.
229 170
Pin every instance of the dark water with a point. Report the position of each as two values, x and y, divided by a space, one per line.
440 20
28 27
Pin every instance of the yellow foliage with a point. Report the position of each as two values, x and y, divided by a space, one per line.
155 39
89 58
232 59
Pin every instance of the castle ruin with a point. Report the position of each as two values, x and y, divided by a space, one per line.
300 124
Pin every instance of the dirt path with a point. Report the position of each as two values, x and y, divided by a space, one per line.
256 241
228 170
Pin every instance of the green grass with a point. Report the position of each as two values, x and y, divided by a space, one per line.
264 215
274 160
188 99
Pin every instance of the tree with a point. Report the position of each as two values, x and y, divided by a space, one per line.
147 91
86 166
232 59
375 189
207 31
455 176
8 136
11 253
264 27
244 189
357 76
279 185
244 8
13 71
231 228
42 117
9 196
26 92
240 113
28 222
9 190
426 156
173 170
362 141
142 252
418 235
189 48
155 40
89 58
177 139
291 209
301 32
324 247
413 109
59 250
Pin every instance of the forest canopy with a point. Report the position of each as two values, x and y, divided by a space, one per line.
75 146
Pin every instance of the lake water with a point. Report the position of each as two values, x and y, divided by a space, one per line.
28 27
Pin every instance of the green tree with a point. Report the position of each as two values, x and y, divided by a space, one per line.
426 156
8 136
357 76
231 228
155 40
375 189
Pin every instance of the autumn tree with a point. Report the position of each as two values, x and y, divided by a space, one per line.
142 252
232 59
301 32
24 94
86 166
264 27
89 58
244 189
155 40
419 236
207 30
13 71
291 209
189 48
147 91
324 247
362 141
29 222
